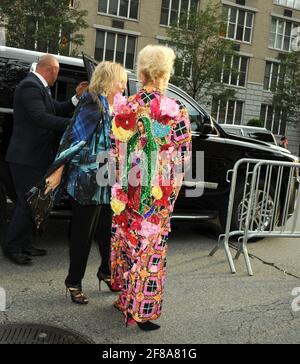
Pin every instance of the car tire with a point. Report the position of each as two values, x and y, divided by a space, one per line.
236 215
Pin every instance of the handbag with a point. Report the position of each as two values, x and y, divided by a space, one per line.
39 204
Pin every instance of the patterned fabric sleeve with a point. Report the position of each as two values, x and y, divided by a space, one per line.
182 137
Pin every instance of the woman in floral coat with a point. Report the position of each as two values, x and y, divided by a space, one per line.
151 143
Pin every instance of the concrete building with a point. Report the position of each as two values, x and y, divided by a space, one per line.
261 30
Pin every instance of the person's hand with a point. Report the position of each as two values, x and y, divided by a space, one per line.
54 180
81 88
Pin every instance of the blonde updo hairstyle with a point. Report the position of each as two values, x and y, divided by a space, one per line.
155 63
104 76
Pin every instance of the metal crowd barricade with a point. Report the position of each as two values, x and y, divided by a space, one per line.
270 198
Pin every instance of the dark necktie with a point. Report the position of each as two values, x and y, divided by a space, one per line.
49 91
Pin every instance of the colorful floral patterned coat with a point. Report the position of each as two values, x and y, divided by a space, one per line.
151 145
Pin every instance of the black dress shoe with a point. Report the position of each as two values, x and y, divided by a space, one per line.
35 252
18 258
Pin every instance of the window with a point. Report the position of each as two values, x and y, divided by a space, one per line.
115 47
289 3
229 112
274 120
173 10
73 4
124 8
236 70
182 68
272 72
281 34
239 24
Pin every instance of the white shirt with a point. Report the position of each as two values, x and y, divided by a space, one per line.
45 83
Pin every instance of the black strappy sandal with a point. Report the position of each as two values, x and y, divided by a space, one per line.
76 294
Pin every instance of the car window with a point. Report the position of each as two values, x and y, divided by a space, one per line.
12 72
69 77
194 114
235 131
260 135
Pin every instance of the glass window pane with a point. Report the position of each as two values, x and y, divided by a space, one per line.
123 8
286 43
214 108
247 35
164 12
120 49
184 9
194 5
99 45
272 40
242 79
288 28
249 20
283 123
233 15
222 113
102 6
240 33
231 30
134 9
230 112
110 46
276 122
174 12
263 110
238 113
113 7
278 43
130 53
269 118
280 27
267 75
241 18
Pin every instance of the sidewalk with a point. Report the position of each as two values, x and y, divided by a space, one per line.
204 303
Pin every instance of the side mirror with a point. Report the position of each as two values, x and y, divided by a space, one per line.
205 125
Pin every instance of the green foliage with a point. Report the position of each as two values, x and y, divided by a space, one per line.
197 41
287 94
46 26
256 122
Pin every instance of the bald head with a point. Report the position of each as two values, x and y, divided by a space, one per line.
48 67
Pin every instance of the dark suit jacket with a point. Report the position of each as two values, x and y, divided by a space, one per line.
36 118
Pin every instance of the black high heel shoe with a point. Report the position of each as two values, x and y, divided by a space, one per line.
145 326
107 280
76 294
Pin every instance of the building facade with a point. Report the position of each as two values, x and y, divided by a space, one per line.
261 30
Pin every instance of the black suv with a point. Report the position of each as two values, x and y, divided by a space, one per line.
221 150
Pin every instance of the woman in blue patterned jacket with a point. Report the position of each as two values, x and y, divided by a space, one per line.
77 165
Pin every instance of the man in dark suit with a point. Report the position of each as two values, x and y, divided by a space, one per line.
32 148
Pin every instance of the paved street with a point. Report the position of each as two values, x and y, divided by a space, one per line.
204 303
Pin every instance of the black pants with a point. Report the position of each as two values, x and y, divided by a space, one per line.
87 222
20 229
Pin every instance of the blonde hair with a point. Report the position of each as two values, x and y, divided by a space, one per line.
105 74
155 62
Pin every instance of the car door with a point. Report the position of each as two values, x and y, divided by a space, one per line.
90 64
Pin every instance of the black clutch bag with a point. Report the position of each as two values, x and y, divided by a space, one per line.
40 205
